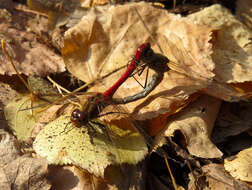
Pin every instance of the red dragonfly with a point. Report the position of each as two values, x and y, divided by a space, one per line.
161 64
99 101
95 104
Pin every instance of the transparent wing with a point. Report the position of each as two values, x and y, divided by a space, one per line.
183 62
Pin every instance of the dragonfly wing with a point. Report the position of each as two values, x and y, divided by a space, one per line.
182 60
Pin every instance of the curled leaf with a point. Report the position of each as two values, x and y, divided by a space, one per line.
195 123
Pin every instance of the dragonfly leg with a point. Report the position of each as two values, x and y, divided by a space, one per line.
91 132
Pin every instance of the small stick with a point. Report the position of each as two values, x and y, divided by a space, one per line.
13 65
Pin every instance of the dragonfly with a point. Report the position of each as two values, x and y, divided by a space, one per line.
99 101
178 63
96 103
160 64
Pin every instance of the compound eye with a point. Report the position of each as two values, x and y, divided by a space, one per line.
76 116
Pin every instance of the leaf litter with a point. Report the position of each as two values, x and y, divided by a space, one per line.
72 145
21 118
94 46
20 172
182 77
31 57
240 166
62 143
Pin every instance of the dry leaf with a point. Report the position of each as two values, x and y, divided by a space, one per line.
24 173
106 39
232 51
243 12
6 93
8 148
59 12
61 142
233 119
69 176
196 124
89 3
19 172
79 179
21 118
29 55
240 166
218 178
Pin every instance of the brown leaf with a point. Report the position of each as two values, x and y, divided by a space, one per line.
6 93
217 178
20 172
70 176
30 56
240 166
232 44
243 12
196 123
26 173
8 148
233 119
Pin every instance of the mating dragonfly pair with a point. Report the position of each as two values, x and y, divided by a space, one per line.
144 57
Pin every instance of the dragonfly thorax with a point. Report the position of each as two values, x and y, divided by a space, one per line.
92 109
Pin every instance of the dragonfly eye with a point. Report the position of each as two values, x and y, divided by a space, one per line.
146 53
76 116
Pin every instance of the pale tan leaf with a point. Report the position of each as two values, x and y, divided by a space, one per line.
218 178
196 124
232 47
240 166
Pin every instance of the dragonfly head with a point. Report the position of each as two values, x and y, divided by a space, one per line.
78 117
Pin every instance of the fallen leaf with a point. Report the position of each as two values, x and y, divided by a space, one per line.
240 166
61 142
25 173
232 48
20 116
58 12
20 112
30 56
8 148
90 3
218 178
243 12
6 93
20 172
232 120
196 123
78 179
